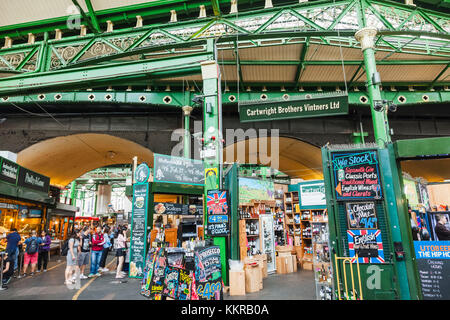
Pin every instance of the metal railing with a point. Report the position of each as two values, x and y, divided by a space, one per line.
355 295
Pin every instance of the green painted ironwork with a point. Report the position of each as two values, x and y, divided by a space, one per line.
417 148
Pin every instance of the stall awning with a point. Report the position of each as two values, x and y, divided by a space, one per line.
63 209
15 192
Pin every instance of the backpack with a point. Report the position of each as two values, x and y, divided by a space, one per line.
32 246
65 248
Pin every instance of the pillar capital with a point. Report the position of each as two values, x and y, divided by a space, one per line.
210 69
366 37
187 110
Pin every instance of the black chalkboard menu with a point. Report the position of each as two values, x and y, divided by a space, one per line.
178 170
138 230
356 175
361 215
433 264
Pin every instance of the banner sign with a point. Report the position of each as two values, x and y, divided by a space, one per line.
8 171
433 263
356 175
292 109
171 208
217 206
138 229
312 195
178 170
367 244
361 215
33 180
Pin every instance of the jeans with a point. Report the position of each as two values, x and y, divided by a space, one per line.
43 257
95 261
104 256
16 258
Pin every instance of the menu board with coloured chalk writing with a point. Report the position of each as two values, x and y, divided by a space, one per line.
185 284
361 215
171 275
210 290
207 262
433 264
138 230
356 175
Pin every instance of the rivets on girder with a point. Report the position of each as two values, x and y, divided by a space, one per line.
91 97
401 99
232 98
425 98
41 96
58 96
108 97
167 99
363 99
142 98
263 97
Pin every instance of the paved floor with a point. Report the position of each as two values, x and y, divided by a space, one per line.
50 286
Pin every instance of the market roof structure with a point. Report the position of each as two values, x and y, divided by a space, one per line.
274 43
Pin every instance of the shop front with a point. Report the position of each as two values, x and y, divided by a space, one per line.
61 221
24 199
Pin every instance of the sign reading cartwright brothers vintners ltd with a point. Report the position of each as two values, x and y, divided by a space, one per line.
290 109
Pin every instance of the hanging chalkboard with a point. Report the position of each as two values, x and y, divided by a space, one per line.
361 215
8 171
433 264
178 170
171 282
185 284
217 229
356 175
171 208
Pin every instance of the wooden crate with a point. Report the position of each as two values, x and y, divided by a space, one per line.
284 264
237 283
294 263
306 265
262 258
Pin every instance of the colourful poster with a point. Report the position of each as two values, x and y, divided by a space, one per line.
255 189
171 282
210 290
367 244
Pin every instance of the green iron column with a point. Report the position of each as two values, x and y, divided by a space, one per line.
187 136
366 37
73 187
212 137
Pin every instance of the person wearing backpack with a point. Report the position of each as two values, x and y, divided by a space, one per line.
31 253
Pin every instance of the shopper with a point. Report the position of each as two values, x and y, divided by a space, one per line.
44 249
31 253
85 250
72 255
440 229
8 268
120 252
12 245
96 253
105 250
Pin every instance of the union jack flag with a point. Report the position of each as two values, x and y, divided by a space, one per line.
351 245
217 202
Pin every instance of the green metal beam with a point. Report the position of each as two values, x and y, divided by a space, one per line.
417 148
85 17
216 7
92 15
301 65
177 98
239 69
439 75
97 75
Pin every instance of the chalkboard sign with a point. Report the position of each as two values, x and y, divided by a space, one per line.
178 170
217 229
171 208
356 175
218 210
433 264
33 180
207 262
138 230
210 290
185 284
361 215
171 282
367 244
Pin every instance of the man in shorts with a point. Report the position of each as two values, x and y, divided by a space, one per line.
83 256
31 253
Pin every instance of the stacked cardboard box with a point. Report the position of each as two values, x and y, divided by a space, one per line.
237 283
